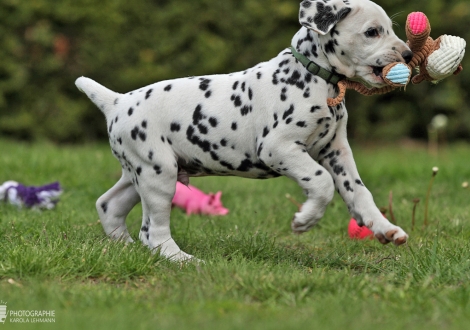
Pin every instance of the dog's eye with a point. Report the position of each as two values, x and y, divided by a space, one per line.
372 32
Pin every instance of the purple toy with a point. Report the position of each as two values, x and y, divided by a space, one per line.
43 197
193 200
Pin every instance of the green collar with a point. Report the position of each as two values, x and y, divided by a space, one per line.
314 68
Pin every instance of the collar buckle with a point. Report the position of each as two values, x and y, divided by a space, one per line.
316 68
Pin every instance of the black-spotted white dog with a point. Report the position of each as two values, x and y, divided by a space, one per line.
264 122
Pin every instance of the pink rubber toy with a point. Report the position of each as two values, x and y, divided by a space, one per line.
418 22
357 232
195 201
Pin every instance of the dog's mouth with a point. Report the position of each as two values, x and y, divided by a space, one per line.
377 70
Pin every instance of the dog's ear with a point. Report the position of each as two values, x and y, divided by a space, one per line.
320 16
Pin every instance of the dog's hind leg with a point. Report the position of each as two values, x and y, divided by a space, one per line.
114 206
157 185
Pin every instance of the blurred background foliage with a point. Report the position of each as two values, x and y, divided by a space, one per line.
47 44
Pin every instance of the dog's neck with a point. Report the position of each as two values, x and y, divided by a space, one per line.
307 43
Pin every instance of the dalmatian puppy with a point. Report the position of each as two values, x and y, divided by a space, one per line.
267 121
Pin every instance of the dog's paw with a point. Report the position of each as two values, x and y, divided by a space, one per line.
394 234
300 227
184 257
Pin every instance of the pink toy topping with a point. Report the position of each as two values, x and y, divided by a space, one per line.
193 200
418 22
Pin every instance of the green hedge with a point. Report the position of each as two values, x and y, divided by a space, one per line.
47 44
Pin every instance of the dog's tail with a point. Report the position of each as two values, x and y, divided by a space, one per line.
104 98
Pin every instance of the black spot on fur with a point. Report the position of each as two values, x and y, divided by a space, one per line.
275 80
130 111
204 84
227 165
157 169
197 114
236 100
175 127
319 172
208 94
265 131
347 185
294 79
306 4
245 165
281 64
330 46
149 92
134 133
104 207
202 129
258 75
301 124
245 110
213 121
144 124
260 148
306 179
214 156
167 88
235 84
307 93
234 126
150 156
196 140
288 112
223 143
138 170
283 94
315 108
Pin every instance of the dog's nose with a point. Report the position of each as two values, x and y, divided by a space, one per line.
407 55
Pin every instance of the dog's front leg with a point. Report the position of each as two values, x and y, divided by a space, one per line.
337 158
293 161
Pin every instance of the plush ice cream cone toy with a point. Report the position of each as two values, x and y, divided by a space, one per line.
433 59
436 59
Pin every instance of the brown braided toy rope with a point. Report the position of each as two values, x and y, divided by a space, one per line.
358 87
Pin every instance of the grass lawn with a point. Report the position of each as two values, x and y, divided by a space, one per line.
257 274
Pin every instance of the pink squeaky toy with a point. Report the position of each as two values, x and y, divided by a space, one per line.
195 201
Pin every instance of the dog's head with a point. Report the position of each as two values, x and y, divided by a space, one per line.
355 36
